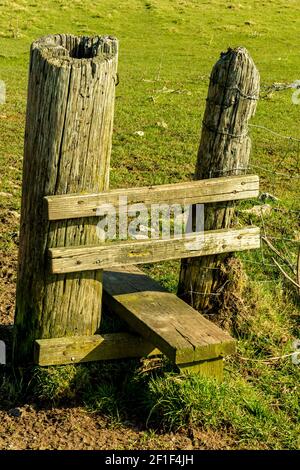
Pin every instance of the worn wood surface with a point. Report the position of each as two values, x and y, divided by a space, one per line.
163 319
224 150
75 349
79 349
203 191
110 254
212 368
67 149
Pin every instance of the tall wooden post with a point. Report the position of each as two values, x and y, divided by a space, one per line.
67 149
224 150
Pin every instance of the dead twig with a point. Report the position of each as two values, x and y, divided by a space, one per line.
267 360
272 247
286 275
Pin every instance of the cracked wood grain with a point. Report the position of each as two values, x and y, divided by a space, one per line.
67 149
224 150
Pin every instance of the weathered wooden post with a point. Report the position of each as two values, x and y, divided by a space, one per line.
67 149
224 150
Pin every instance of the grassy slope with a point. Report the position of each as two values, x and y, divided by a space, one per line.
174 44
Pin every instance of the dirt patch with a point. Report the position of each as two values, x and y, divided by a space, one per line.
212 440
74 428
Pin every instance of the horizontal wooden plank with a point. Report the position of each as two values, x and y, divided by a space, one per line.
163 319
227 188
76 349
110 254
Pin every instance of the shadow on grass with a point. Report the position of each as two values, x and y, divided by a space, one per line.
143 395
117 390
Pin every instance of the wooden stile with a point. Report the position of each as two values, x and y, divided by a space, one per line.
71 96
205 191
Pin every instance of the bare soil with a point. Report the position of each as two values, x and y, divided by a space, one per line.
74 428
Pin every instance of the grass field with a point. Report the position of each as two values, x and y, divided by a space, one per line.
167 50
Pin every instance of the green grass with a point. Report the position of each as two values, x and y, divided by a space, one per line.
253 412
234 406
172 45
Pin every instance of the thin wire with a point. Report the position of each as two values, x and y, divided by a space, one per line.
201 293
267 359
258 262
212 172
284 238
205 268
286 175
216 131
255 96
275 173
274 132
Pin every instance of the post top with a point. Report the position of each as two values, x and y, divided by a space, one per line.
67 49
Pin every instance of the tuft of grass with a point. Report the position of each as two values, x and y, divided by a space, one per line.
11 387
78 382
57 384
105 399
233 406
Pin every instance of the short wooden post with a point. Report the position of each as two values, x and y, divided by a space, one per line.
224 150
67 149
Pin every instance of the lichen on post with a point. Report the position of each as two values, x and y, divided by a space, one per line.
67 149
224 151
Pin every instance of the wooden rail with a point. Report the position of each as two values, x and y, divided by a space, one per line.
204 191
104 347
106 255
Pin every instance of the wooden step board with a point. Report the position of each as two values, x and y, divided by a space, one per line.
165 321
162 323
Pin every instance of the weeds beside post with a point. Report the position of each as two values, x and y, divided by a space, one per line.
67 149
224 150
